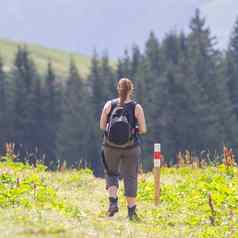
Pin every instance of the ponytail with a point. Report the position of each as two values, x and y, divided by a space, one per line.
125 88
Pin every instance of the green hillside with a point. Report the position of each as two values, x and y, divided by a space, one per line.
35 203
41 55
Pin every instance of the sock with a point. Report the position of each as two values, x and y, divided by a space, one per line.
113 200
132 212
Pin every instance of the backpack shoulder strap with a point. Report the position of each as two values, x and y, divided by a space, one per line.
134 103
114 103
132 108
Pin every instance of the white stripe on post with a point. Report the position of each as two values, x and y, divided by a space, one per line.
157 172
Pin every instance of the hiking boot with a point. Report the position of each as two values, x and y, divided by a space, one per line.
113 207
132 213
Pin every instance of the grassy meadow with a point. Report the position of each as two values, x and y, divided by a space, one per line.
37 203
60 59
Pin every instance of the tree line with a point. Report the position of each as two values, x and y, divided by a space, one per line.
187 87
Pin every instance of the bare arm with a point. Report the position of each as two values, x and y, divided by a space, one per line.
104 115
139 114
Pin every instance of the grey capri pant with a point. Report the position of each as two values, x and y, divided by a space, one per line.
122 162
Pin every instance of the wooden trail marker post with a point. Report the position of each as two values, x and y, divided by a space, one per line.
157 164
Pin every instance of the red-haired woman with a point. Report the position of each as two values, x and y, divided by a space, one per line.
123 157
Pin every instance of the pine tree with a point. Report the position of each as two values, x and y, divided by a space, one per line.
52 114
24 75
153 64
98 86
106 73
232 67
171 48
97 100
119 72
126 65
152 54
72 136
203 53
183 43
135 62
193 113
141 76
38 115
3 108
206 61
143 97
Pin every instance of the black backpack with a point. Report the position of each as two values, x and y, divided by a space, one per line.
120 130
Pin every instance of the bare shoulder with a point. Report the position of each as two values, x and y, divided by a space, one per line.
138 110
107 107
139 107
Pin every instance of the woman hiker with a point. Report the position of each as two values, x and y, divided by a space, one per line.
122 119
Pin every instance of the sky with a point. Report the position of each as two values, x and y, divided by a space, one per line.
108 25
221 16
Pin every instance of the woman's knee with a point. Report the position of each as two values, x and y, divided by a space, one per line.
130 184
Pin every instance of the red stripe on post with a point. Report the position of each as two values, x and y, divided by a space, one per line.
157 155
157 151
